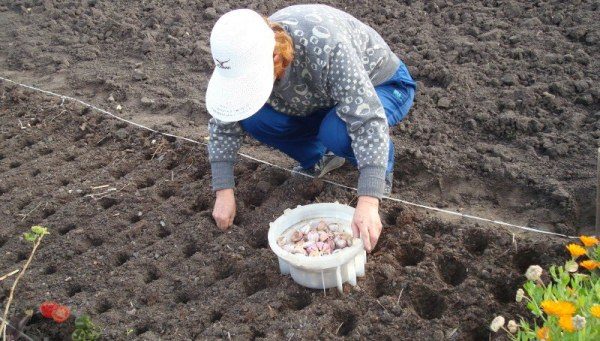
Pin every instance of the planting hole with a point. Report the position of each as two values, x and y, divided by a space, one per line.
103 307
146 183
21 256
163 232
96 241
215 316
47 212
15 164
70 158
258 239
74 290
299 300
224 271
35 172
46 151
190 249
476 242
107 203
66 229
141 330
50 270
166 193
427 303
182 297
452 270
504 289
65 182
255 284
525 258
135 218
347 323
152 275
410 255
121 258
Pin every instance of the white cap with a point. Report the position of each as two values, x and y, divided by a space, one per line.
242 47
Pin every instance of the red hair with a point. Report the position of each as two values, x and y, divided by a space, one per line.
284 47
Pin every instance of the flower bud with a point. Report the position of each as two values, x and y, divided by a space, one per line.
497 323
513 327
578 322
520 295
534 273
571 266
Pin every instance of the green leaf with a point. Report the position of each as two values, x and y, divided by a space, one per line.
39 230
30 237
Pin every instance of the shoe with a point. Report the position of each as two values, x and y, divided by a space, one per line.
389 182
328 163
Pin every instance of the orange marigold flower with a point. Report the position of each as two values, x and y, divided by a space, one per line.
543 334
589 241
590 264
558 308
595 310
576 250
566 323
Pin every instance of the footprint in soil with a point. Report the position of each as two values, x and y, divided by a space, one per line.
427 303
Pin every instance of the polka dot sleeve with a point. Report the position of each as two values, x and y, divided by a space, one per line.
358 106
224 142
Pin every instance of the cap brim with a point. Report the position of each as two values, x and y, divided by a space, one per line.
234 99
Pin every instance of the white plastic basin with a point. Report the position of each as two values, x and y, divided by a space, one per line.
320 272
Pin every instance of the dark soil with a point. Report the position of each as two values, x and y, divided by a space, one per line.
505 125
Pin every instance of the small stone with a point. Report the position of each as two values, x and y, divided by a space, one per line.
121 134
210 13
111 98
119 107
444 103
139 75
508 79
147 101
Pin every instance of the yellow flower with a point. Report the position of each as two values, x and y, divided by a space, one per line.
558 308
590 264
589 241
595 310
576 250
543 334
566 323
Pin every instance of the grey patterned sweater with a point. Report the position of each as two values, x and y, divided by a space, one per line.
337 62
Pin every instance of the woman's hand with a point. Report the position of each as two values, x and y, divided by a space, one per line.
224 210
366 223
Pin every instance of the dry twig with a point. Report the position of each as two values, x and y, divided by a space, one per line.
37 243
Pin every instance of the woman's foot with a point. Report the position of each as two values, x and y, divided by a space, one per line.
328 163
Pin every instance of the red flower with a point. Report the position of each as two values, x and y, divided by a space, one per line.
47 308
61 314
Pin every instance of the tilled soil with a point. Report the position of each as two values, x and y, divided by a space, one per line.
505 125
505 122
133 244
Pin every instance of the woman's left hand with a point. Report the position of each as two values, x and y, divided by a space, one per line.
366 223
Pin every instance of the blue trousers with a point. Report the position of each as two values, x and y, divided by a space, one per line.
306 139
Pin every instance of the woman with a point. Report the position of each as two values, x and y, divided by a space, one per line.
315 83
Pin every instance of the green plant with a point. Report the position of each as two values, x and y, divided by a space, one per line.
85 329
567 307
34 236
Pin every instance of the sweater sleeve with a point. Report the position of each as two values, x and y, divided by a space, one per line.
224 142
348 83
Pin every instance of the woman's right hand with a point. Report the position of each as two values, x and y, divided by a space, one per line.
224 210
